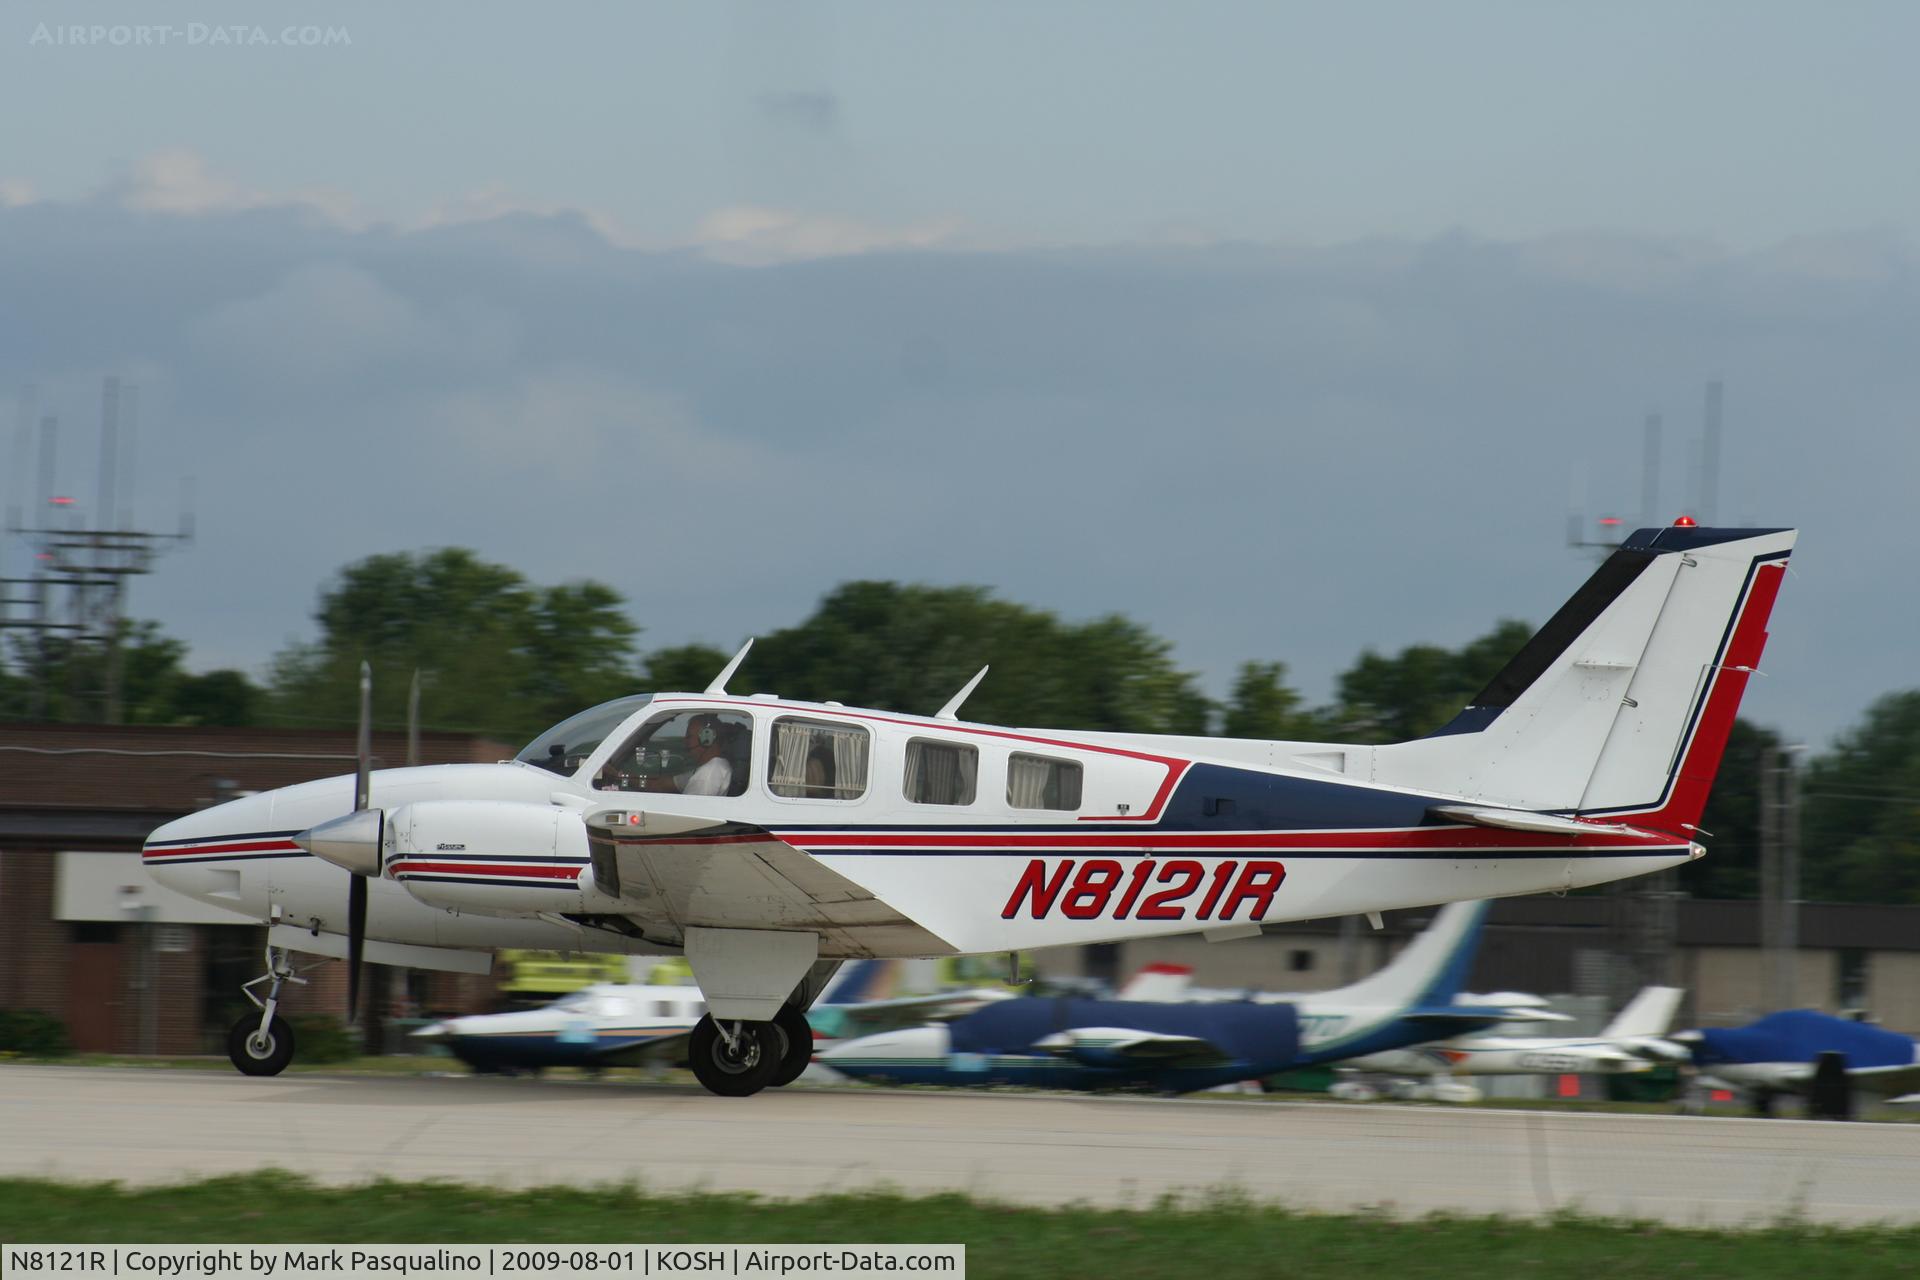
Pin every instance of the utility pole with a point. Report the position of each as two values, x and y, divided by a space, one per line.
1779 876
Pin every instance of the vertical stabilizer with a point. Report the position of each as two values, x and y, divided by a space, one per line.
1649 1013
1621 704
1429 972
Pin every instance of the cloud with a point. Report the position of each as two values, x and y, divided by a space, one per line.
752 235
816 110
178 180
1261 452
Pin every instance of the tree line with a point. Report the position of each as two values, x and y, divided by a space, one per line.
505 657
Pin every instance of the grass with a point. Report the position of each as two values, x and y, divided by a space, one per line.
1218 1238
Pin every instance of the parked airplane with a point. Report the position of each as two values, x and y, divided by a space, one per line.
1633 1042
769 839
626 1024
1780 1054
1182 1046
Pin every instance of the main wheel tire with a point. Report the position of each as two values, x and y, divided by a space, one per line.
798 1031
255 1055
734 1071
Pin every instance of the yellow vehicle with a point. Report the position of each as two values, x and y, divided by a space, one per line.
537 977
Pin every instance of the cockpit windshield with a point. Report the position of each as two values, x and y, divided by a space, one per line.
565 747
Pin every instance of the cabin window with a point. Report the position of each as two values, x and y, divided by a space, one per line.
940 772
818 760
1039 782
690 752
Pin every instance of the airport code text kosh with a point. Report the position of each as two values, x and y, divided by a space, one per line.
552 1262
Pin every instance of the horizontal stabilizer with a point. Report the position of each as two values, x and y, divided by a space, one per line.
1521 820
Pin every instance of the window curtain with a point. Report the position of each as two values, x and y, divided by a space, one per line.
1027 782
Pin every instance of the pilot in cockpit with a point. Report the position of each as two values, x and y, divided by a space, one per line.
702 766
712 773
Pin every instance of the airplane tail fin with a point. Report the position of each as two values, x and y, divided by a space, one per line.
857 982
1429 971
1620 706
1157 983
1649 1013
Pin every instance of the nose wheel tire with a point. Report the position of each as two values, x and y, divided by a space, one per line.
735 1069
794 1026
254 1053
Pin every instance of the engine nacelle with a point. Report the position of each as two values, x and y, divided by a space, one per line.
492 857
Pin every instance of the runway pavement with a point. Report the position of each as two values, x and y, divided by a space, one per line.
148 1126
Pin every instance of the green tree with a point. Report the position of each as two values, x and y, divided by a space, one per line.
155 686
1860 831
683 668
1261 705
1392 699
497 655
1731 821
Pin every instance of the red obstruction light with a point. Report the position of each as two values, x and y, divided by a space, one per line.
1607 522
60 502
1686 522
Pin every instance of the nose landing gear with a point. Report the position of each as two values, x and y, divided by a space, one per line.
263 1046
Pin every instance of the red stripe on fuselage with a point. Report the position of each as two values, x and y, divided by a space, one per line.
197 850
1437 838
537 871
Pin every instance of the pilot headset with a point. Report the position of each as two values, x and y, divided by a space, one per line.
708 733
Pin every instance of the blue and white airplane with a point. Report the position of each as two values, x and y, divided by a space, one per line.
1780 1053
1178 1048
617 1024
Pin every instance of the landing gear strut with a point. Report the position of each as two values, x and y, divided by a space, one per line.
263 1046
735 1059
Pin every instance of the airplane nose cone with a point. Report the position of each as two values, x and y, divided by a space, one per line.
185 854
354 841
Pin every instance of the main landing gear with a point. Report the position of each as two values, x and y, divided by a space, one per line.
263 1046
735 1059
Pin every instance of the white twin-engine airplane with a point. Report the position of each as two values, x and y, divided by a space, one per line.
768 840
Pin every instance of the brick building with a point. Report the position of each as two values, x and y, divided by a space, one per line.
85 935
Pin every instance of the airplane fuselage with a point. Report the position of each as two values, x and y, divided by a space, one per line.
1024 838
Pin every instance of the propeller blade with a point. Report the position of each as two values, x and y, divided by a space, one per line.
363 753
356 941
357 884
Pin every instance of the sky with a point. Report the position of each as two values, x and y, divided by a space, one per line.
1287 330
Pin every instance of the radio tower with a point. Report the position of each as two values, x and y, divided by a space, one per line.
82 563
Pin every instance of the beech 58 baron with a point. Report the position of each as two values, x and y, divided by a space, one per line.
768 839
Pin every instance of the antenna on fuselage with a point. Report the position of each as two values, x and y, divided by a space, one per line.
719 684
951 710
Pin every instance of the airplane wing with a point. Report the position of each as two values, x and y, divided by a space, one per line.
1123 1046
938 1006
673 871
1887 1081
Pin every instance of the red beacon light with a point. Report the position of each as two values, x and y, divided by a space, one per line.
1686 522
1608 522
